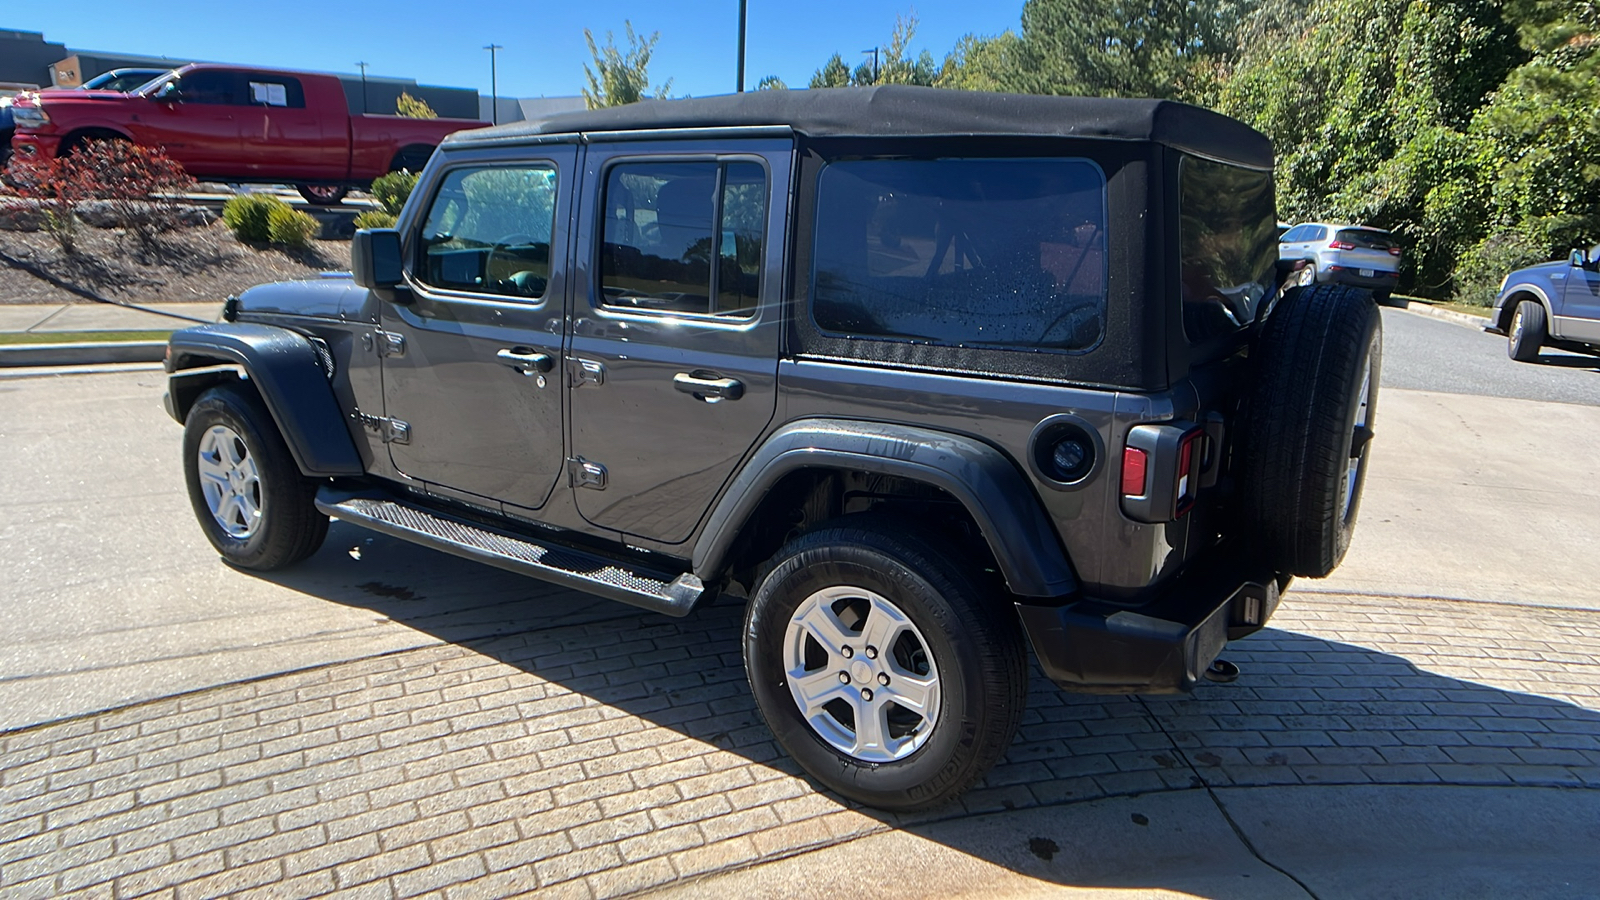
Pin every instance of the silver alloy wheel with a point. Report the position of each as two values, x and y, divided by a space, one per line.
1307 274
1358 454
230 481
861 674
1516 325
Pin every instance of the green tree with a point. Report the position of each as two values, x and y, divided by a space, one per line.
834 73
620 77
896 65
413 108
985 64
1157 48
771 83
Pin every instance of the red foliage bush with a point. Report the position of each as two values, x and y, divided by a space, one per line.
142 186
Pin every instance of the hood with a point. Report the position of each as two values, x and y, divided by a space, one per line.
1546 269
321 298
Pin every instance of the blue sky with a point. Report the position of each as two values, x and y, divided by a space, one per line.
440 43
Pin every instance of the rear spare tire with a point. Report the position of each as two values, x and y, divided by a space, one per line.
1310 425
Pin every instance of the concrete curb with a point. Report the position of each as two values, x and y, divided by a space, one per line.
82 354
1471 321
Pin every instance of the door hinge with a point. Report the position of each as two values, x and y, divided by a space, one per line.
586 474
391 344
585 371
392 431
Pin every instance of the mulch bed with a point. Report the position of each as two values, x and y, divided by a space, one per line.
202 263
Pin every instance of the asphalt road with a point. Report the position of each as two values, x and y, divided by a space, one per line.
1426 354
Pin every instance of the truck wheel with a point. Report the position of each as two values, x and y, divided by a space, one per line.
1310 428
1528 331
322 194
881 666
252 502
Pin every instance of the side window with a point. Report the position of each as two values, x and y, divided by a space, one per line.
1005 253
212 88
683 237
275 90
1226 245
1295 235
488 231
1317 234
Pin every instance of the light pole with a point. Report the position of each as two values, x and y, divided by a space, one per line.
742 9
494 87
363 87
874 52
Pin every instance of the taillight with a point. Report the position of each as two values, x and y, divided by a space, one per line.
1135 467
1341 245
1394 251
1188 470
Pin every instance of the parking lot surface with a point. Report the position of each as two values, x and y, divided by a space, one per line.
607 758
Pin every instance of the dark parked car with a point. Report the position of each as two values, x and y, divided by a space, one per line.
1553 304
924 378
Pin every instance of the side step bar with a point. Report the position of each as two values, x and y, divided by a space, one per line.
590 573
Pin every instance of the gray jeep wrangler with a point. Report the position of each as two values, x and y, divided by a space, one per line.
924 378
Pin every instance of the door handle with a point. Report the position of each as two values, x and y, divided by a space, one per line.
526 361
708 387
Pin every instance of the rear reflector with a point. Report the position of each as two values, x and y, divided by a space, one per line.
1188 465
1135 462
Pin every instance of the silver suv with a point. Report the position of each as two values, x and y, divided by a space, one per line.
1329 253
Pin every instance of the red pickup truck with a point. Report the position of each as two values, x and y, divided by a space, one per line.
237 124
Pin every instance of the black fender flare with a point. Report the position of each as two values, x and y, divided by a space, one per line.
983 479
287 372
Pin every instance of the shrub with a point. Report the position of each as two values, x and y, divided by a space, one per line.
391 190
290 227
413 108
141 185
376 218
58 184
247 216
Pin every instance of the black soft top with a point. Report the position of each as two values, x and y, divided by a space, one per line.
904 111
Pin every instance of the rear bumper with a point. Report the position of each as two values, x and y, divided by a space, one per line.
1379 280
1161 647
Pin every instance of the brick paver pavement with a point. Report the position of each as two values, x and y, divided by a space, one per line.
608 758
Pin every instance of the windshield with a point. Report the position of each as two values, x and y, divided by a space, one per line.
125 80
1366 238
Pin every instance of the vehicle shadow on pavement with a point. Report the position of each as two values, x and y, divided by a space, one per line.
626 741
1569 361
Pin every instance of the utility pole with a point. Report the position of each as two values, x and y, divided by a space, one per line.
874 52
494 87
363 86
742 9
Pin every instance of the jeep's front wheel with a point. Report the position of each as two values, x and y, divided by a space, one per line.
249 496
882 667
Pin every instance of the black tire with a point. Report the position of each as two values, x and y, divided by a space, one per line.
970 634
323 194
289 526
1319 349
1528 331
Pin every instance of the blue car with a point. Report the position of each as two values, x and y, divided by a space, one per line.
1553 304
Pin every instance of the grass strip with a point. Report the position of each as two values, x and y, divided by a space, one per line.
80 337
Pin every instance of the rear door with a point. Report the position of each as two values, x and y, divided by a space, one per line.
676 327
471 364
282 135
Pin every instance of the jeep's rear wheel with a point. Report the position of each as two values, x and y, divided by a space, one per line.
881 666
252 502
1310 430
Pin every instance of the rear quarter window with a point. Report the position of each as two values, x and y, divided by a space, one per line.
1227 243
1006 253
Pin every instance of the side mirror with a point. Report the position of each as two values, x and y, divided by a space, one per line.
1578 259
375 258
169 93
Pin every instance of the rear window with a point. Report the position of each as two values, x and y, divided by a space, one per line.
1365 239
962 252
1228 245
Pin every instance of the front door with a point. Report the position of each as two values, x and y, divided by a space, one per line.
1580 307
471 367
675 338
201 129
